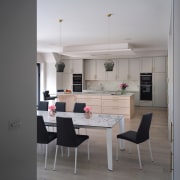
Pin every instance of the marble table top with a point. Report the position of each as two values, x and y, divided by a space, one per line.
95 120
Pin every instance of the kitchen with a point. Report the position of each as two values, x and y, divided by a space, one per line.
96 79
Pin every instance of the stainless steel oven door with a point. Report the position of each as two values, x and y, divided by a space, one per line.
146 92
77 87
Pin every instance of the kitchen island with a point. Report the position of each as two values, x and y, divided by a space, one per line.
102 103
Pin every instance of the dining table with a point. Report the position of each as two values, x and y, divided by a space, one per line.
97 121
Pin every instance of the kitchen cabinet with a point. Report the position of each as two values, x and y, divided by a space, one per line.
122 70
94 101
90 69
63 80
69 99
134 69
59 80
77 66
159 90
73 66
118 105
95 70
67 81
100 70
159 64
146 65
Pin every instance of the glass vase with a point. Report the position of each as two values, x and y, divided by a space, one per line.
123 91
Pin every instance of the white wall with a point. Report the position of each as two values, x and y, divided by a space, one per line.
18 89
48 73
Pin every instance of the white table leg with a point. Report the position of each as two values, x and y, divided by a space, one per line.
109 148
121 129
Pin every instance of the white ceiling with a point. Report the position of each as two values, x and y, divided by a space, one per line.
143 24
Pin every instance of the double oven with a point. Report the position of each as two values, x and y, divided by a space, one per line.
77 83
146 86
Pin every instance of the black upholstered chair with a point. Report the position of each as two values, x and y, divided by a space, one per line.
43 136
60 106
139 136
67 137
79 107
48 97
43 106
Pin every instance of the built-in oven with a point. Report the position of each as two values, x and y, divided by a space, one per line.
77 87
146 86
77 79
77 82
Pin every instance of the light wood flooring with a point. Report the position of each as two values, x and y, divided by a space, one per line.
126 168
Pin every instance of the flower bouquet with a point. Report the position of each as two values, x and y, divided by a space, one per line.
123 87
88 113
52 110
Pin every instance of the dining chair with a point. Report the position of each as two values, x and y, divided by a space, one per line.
48 97
67 137
60 106
43 136
139 136
79 107
43 106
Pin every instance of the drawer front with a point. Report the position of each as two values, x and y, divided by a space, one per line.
96 109
90 102
115 103
114 97
115 110
88 97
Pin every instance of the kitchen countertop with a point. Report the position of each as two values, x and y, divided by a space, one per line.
104 93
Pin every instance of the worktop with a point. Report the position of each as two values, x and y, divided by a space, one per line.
105 103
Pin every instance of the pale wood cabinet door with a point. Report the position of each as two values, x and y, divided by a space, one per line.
122 69
76 66
159 90
67 68
90 69
100 70
134 69
67 81
146 65
159 64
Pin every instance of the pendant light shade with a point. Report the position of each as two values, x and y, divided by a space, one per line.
109 65
60 67
59 64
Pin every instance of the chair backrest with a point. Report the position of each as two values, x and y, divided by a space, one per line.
79 107
43 106
60 106
144 127
42 134
66 135
46 95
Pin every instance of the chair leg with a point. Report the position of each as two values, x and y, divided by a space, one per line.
55 157
88 148
117 150
46 155
62 154
149 143
68 151
75 160
139 156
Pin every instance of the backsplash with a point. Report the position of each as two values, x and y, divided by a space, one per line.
111 85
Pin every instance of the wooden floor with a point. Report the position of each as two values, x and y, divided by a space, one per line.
126 168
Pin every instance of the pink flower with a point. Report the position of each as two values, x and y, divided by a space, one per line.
123 86
87 108
52 107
